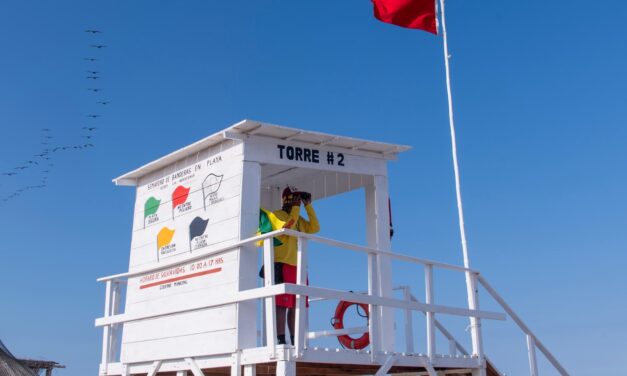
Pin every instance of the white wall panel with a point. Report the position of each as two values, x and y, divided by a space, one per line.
198 207
209 343
182 324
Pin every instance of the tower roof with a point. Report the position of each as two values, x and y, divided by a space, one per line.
11 366
246 128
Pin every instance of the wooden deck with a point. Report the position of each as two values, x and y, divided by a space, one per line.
325 369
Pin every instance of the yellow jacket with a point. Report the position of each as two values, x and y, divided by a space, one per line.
287 252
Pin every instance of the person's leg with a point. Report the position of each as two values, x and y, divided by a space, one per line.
291 323
280 324
280 307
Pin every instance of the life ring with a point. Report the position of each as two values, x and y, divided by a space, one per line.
338 323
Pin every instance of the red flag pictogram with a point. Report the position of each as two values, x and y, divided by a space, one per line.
179 196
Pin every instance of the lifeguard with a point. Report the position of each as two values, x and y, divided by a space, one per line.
286 250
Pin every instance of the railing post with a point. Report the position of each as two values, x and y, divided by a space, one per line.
475 324
373 290
268 280
431 351
301 306
452 347
114 331
531 350
409 325
106 332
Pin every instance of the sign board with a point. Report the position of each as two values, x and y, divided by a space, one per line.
182 210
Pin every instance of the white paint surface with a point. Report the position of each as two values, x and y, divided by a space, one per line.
212 187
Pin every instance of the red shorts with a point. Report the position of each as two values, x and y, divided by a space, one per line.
288 274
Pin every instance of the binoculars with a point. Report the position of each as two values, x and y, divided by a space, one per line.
302 195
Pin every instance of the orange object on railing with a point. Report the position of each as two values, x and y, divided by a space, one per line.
338 323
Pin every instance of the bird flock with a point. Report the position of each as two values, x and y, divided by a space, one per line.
42 162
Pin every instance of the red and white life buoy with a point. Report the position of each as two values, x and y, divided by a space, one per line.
338 323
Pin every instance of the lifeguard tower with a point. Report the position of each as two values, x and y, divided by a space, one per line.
193 301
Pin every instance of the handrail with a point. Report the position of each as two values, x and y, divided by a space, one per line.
111 318
319 239
522 326
363 249
290 288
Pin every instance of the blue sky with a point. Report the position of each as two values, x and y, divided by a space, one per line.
539 98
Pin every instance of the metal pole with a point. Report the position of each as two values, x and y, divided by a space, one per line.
373 290
268 280
430 315
409 325
531 350
301 309
475 329
460 210
106 332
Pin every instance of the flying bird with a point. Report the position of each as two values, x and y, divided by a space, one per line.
94 116
90 128
32 162
87 137
93 31
48 137
45 129
41 155
9 173
90 59
21 168
92 72
104 102
95 90
92 77
98 46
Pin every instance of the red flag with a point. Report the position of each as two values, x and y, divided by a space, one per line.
412 14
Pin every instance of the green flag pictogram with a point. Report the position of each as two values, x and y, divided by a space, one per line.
151 206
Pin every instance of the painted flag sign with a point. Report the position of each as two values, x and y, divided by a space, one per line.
269 222
150 209
164 239
179 197
412 14
210 187
197 229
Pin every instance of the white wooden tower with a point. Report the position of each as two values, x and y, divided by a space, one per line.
191 301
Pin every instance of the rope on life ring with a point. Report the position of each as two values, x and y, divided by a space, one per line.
338 323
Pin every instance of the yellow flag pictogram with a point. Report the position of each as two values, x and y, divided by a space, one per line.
164 237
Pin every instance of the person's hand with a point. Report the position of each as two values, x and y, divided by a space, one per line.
306 198
296 201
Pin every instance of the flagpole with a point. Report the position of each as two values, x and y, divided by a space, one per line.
471 289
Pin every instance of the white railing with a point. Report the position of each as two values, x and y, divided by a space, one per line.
113 318
532 341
